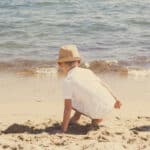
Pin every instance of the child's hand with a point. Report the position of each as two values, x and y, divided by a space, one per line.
117 104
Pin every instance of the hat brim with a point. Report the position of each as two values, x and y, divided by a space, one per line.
68 59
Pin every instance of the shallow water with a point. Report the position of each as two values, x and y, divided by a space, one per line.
109 30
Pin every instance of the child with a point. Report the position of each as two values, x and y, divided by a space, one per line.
83 91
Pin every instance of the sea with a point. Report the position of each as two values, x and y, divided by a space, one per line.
116 31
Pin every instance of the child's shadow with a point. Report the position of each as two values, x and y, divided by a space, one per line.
142 128
55 128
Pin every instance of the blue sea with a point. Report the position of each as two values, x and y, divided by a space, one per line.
112 30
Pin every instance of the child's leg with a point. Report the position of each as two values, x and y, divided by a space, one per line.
75 117
96 121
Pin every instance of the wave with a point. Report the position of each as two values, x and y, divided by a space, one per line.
24 64
13 45
105 66
139 21
34 67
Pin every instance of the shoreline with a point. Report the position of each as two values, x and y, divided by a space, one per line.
120 67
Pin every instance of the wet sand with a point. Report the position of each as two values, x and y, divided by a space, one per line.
31 109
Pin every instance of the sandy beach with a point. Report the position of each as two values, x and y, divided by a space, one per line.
31 109
113 39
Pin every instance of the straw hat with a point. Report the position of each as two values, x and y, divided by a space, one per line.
68 53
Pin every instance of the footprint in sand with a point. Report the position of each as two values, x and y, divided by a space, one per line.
119 133
131 141
102 139
145 128
144 117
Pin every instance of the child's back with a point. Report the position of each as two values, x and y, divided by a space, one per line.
87 93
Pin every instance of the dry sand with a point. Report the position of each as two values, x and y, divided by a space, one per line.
31 111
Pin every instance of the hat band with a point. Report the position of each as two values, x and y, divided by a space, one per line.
68 59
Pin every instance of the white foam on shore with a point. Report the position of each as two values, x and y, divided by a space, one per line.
139 73
52 72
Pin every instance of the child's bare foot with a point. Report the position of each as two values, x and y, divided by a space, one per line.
96 122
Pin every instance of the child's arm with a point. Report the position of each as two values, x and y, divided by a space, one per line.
67 113
108 88
117 103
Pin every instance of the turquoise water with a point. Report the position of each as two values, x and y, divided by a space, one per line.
102 29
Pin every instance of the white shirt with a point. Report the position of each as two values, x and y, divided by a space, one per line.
87 94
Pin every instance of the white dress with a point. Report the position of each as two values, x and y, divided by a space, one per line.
87 94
